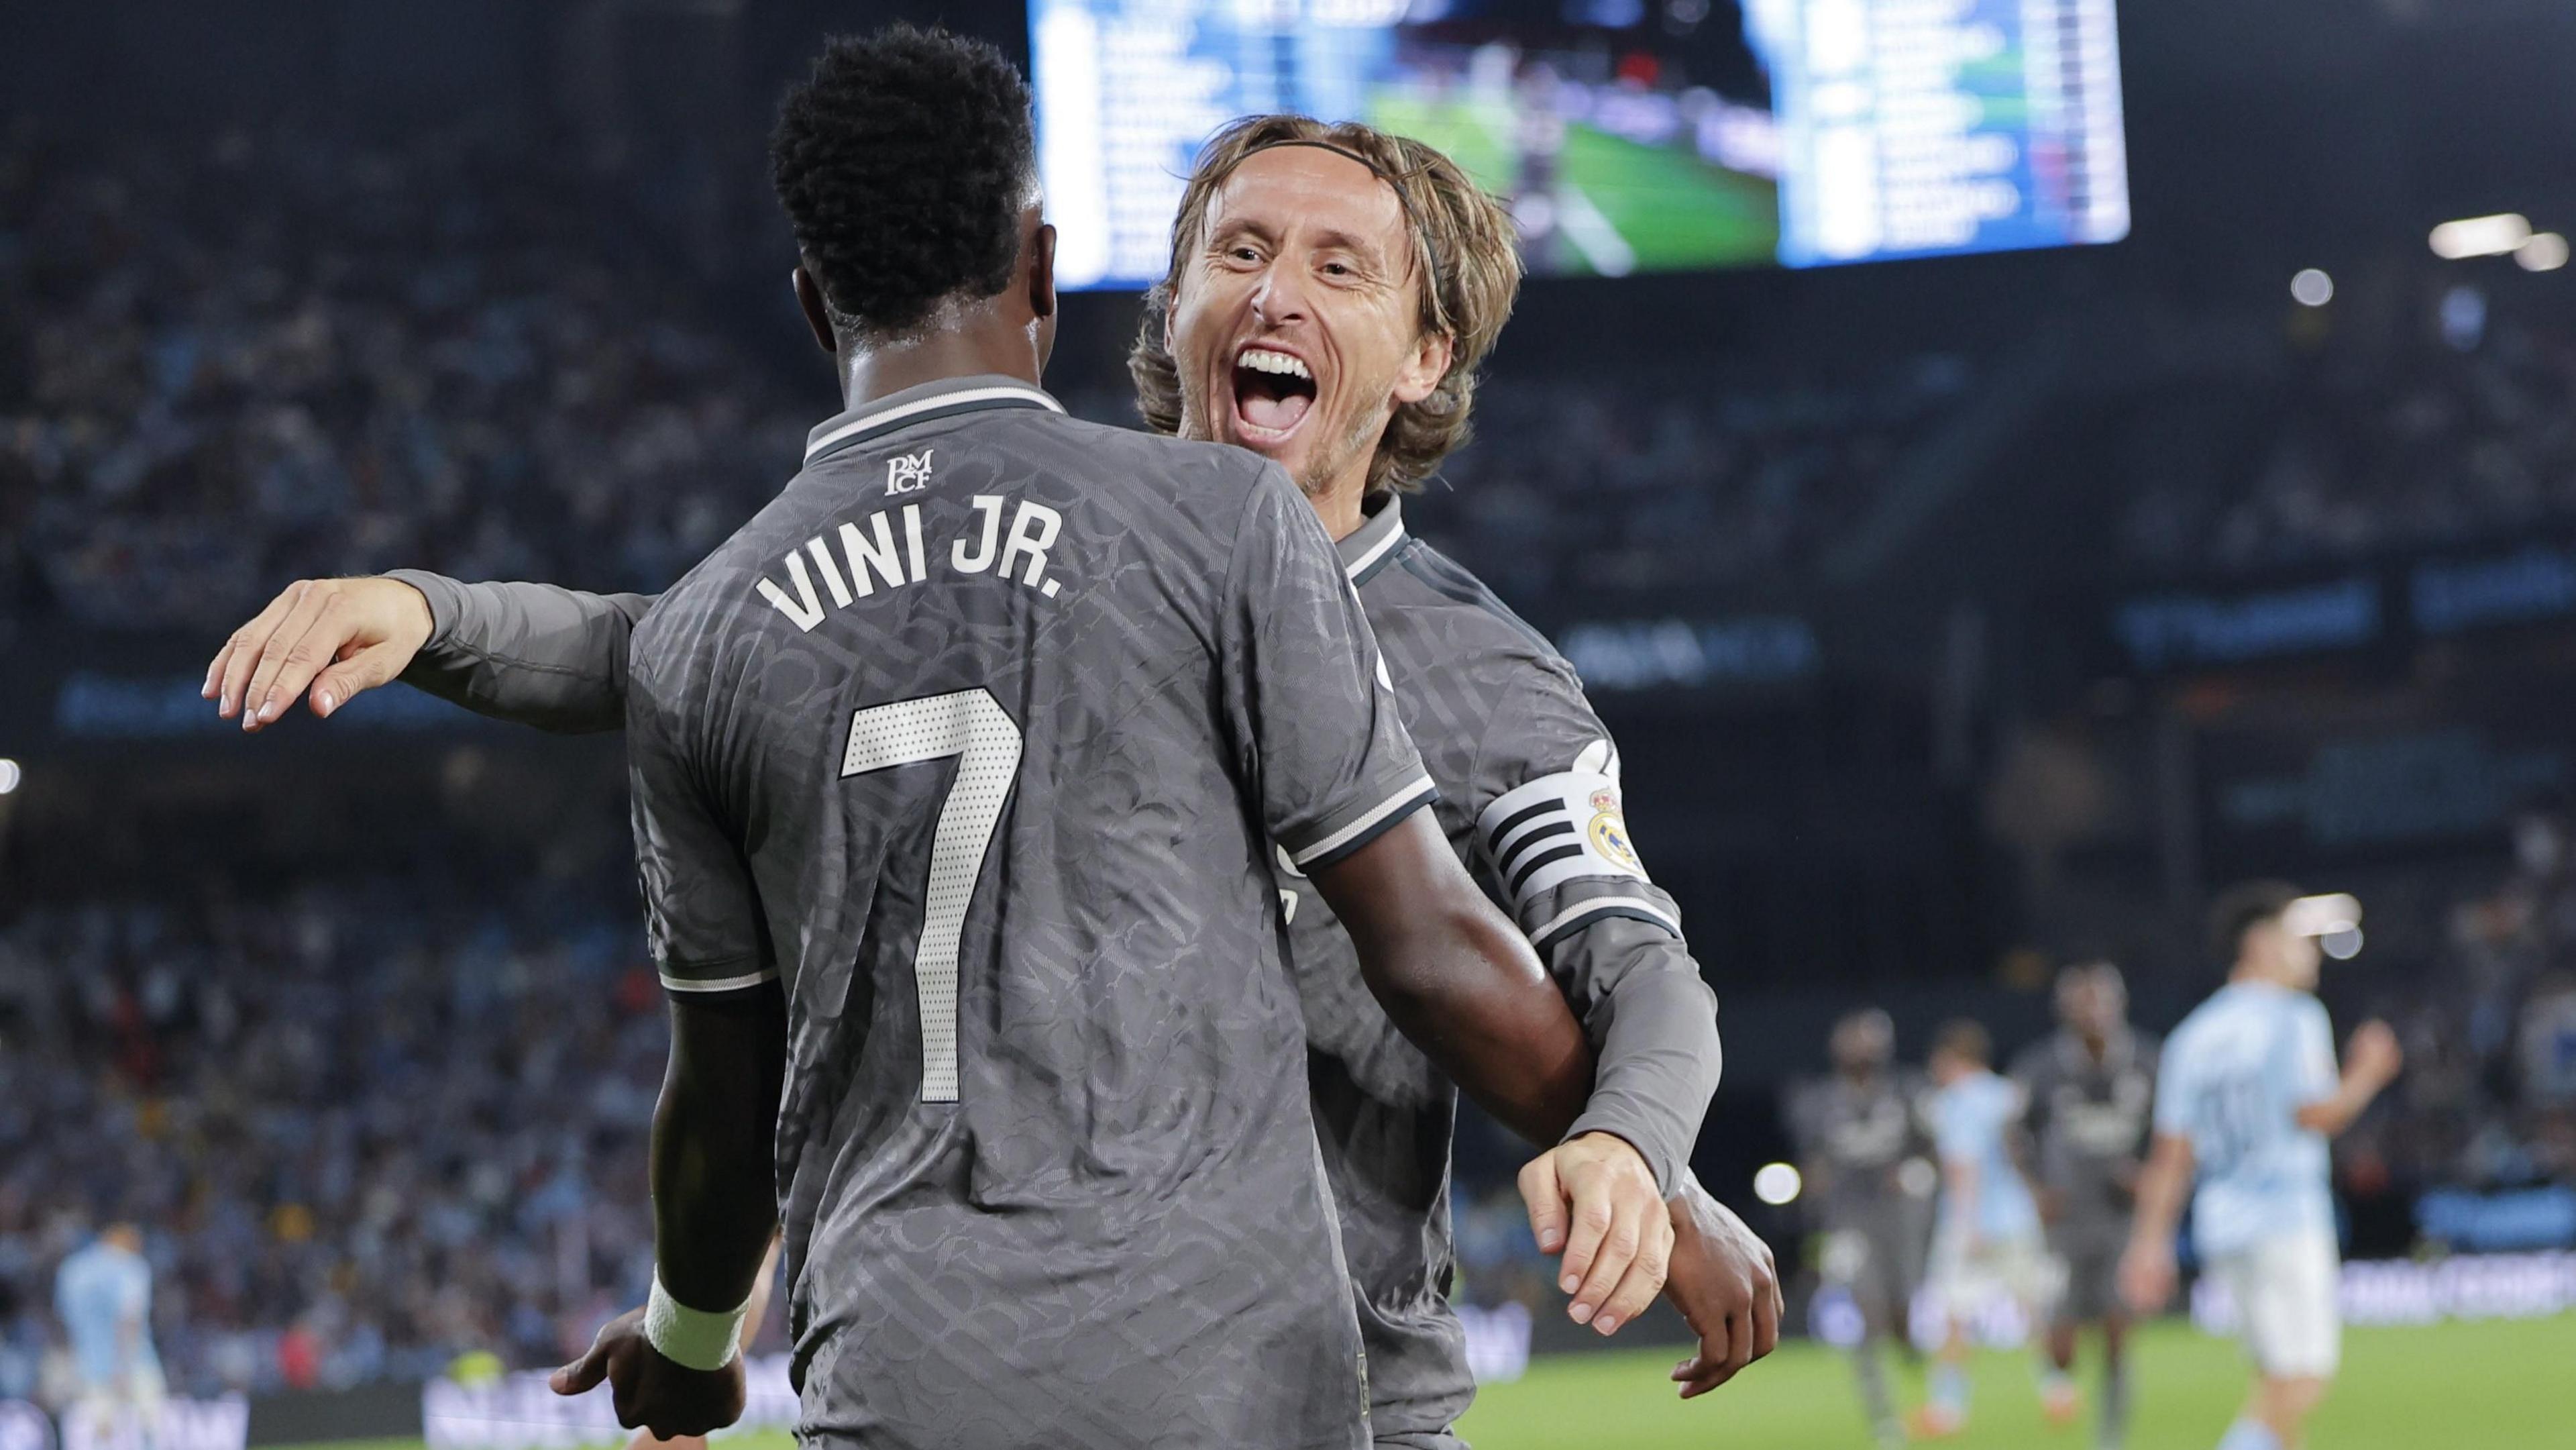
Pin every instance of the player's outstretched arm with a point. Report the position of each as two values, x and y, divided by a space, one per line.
1462 983
532 654
675 1366
2370 1064
2147 1269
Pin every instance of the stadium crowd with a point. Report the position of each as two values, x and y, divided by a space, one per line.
364 1132
234 360
231 360
2461 434
1575 486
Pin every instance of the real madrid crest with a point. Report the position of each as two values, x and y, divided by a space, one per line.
1609 832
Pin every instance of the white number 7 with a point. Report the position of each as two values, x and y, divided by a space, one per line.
972 726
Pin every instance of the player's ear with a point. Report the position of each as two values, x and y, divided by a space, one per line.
809 300
1042 271
1424 370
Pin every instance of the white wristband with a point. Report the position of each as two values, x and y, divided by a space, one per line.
692 1338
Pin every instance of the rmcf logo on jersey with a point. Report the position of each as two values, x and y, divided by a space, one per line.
908 473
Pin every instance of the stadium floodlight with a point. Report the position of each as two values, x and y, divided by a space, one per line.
2481 236
2545 252
2324 916
1777 1184
2312 287
10 775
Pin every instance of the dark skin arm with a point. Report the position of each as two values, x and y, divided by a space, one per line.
1461 982
714 1212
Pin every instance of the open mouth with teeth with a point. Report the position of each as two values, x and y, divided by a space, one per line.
1273 392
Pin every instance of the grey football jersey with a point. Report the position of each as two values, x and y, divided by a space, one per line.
1861 1135
1529 795
979 737
2088 1125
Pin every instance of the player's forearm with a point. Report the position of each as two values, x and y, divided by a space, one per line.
1500 1031
2352 1097
714 1133
1655 1032
1959 1181
1460 980
531 654
2162 1185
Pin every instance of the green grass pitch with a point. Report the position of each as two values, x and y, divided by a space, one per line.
2486 1386
2490 1386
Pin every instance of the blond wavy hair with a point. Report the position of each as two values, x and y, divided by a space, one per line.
1466 255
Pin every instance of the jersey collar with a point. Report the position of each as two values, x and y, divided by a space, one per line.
943 399
1372 545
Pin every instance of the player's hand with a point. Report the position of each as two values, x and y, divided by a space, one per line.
333 638
650 1391
2147 1276
2374 1052
1594 1198
1727 1286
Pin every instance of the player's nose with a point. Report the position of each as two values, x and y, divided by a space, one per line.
1281 296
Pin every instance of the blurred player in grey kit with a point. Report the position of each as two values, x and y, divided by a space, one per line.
1857 1132
2091 1087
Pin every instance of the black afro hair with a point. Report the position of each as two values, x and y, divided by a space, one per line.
903 162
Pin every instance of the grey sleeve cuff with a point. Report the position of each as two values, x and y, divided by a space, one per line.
1656 1035
441 592
532 654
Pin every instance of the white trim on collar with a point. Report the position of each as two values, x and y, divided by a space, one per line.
929 404
1356 567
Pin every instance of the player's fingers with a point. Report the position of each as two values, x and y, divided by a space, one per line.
354 676
1590 1219
260 702
1705 1370
334 627
1767 1313
584 1374
1618 1251
1545 1197
1637 1288
241 649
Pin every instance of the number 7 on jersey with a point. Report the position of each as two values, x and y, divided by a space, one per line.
971 726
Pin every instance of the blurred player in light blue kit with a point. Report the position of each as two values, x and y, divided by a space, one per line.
104 1294
1986 1242
2248 1098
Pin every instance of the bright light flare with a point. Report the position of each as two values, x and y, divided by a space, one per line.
1777 1184
2323 916
10 775
2312 288
2342 945
2545 252
2481 236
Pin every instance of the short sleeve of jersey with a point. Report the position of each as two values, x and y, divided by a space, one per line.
1551 823
1307 695
2312 1054
702 914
